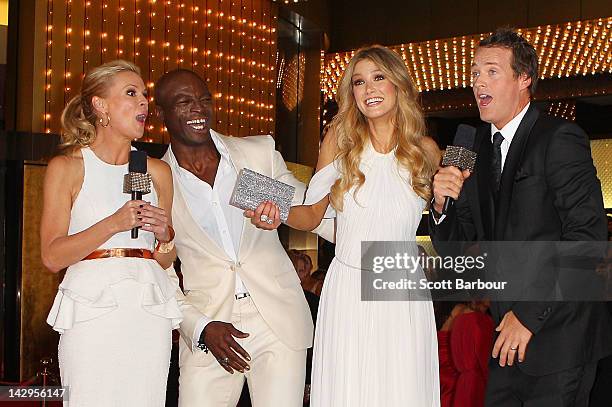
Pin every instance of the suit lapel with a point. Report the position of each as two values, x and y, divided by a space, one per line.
180 209
236 155
513 159
239 162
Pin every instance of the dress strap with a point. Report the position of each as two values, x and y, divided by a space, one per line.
320 185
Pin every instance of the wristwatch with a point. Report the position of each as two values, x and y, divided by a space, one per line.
202 346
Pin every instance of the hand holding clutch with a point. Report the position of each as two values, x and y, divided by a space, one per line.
266 216
253 189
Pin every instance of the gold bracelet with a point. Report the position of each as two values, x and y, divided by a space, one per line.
166 247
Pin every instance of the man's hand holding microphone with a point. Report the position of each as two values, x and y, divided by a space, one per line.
457 165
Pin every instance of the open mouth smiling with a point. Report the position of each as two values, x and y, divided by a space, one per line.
375 101
197 124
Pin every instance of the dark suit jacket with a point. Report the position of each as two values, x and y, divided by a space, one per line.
549 191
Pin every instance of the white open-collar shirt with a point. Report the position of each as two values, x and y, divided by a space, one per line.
210 208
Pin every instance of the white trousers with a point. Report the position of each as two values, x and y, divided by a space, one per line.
276 377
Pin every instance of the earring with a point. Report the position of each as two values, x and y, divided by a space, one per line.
107 120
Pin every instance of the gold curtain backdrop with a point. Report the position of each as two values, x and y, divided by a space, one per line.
602 158
231 43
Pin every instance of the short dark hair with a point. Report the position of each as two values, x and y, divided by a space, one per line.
524 56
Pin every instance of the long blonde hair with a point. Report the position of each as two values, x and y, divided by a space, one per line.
79 116
352 132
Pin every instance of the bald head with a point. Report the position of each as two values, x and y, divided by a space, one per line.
171 80
185 106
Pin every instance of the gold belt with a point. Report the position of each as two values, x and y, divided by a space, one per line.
119 252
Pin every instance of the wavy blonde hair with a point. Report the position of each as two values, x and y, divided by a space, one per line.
352 132
79 116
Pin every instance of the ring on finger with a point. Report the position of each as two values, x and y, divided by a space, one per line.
223 361
264 218
514 348
269 221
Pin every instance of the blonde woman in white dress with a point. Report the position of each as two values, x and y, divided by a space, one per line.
373 175
115 309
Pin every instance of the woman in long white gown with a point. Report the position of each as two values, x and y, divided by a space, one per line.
116 306
375 167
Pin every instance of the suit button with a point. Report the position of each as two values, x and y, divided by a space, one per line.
544 314
233 268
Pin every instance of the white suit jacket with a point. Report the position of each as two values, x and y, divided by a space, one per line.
263 265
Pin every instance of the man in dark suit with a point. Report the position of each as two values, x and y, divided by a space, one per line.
534 180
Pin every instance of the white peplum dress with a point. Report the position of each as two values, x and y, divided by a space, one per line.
115 315
372 353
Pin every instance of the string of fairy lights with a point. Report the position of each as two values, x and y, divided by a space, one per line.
292 81
569 49
48 58
563 108
231 43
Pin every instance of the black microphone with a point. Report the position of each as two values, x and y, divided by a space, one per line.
460 155
137 181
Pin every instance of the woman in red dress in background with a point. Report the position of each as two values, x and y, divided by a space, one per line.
465 340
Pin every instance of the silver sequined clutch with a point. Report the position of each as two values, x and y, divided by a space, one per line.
252 188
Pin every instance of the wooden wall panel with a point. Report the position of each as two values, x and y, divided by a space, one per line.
155 50
265 58
271 68
74 60
171 35
242 68
187 16
444 21
111 25
222 103
141 36
255 69
126 27
224 41
38 285
248 52
93 21
590 9
212 56
234 67
57 53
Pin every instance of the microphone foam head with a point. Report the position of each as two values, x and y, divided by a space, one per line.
138 161
465 136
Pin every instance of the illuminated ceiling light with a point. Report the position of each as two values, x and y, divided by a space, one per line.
568 49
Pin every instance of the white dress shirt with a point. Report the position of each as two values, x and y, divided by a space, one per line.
508 132
211 210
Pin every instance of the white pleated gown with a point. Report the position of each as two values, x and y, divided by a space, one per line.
115 315
366 353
